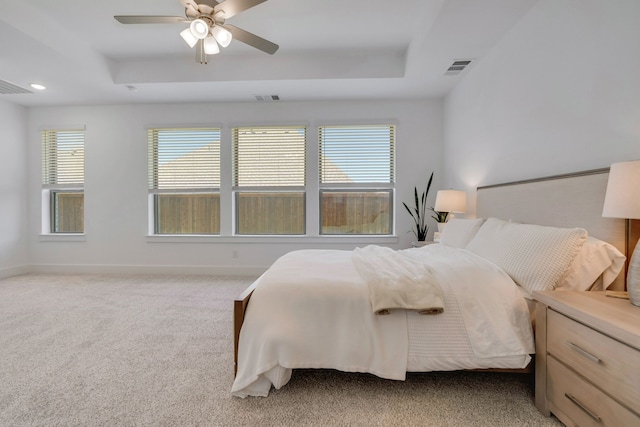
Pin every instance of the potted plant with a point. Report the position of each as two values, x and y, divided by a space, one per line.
419 212
440 217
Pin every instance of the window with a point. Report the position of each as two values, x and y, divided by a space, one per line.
63 180
356 179
184 180
269 180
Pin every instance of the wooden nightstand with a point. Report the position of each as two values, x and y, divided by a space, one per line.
588 358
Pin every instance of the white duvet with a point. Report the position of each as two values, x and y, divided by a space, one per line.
396 281
311 309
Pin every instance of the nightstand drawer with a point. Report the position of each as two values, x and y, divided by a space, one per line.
581 402
613 366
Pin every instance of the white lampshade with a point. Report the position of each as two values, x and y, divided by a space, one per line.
188 37
199 28
222 36
210 46
622 199
451 201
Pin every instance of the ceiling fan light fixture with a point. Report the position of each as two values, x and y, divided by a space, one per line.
188 37
222 36
210 46
206 18
199 28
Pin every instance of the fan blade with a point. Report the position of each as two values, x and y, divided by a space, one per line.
194 3
212 3
189 3
252 39
143 19
229 8
191 11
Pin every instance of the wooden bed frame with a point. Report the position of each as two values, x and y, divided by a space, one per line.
570 200
239 309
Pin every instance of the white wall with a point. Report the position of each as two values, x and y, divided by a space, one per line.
13 190
116 212
560 93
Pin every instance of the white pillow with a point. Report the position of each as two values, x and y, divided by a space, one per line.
459 232
536 257
595 258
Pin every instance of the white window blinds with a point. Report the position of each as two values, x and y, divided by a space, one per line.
184 158
357 154
269 156
63 158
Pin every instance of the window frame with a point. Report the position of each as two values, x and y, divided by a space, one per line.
153 178
54 217
238 189
363 190
361 186
228 211
51 185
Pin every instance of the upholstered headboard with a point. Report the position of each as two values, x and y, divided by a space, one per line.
571 200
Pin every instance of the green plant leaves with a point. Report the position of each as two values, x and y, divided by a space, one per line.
421 228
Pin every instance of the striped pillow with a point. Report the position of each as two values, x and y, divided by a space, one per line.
536 257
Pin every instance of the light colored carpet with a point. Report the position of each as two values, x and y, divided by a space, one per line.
136 351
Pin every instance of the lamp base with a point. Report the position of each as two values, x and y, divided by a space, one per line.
633 277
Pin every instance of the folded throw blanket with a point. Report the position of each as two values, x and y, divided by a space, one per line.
396 281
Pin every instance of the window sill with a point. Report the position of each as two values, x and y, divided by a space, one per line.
271 239
63 237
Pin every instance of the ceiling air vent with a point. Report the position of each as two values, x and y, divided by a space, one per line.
267 98
7 88
457 67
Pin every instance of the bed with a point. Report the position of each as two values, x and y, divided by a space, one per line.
321 308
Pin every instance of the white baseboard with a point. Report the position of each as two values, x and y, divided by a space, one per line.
13 271
146 269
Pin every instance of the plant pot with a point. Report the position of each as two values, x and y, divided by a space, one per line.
420 243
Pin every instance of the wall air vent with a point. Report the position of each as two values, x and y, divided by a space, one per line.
267 98
457 67
8 88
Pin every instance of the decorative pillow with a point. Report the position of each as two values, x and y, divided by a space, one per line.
459 232
594 259
536 257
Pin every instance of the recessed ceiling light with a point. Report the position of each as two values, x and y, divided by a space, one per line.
38 86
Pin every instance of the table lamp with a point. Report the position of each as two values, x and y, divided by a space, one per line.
622 200
451 201
447 202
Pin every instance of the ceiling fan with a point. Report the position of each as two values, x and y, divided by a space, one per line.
207 28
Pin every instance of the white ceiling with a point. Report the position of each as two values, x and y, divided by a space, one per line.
330 49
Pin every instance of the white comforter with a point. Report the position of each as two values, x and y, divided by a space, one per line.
311 309
396 281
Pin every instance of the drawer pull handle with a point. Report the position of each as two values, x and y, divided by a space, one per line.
583 352
581 406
